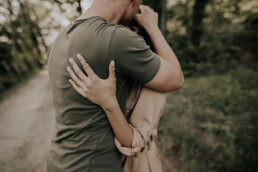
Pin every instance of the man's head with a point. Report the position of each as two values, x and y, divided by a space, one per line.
131 8
115 11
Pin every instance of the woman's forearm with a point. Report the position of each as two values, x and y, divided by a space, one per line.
161 46
121 128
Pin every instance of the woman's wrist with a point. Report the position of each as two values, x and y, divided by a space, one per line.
110 105
151 30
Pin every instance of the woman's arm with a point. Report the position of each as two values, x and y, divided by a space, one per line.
103 93
124 133
170 76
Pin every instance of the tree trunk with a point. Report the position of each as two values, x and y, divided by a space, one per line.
79 8
198 14
163 17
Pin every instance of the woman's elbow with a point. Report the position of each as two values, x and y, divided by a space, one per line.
172 86
182 81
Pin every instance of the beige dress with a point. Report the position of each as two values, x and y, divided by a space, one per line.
143 110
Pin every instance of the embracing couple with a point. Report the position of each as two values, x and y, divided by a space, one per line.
109 89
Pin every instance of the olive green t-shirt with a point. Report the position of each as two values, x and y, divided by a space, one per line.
84 139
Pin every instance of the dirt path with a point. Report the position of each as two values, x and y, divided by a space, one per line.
26 127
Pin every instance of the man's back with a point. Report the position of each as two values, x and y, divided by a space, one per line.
84 140
84 137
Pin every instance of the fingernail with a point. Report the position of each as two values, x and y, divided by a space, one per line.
68 68
113 63
70 60
79 56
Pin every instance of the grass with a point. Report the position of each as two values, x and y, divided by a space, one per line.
211 124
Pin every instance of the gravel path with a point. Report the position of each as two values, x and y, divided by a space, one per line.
26 127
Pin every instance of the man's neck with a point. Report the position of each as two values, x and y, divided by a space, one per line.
112 13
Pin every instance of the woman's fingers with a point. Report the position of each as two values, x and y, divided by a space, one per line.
142 8
77 70
112 73
78 89
86 67
137 16
74 77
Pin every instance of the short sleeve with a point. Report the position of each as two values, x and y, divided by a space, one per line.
132 56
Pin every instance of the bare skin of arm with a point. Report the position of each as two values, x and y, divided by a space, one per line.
170 76
92 87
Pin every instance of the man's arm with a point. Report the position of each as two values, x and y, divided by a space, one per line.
170 76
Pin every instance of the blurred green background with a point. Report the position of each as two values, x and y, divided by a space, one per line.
211 124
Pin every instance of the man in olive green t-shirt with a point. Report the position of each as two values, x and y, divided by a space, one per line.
84 140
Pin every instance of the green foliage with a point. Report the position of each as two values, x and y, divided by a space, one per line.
76 2
226 36
22 46
211 123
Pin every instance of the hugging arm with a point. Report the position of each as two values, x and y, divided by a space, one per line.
170 76
139 65
103 93
130 138
160 71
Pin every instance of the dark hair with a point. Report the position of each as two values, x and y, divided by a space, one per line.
142 32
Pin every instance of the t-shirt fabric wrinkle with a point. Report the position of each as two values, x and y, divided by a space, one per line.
84 139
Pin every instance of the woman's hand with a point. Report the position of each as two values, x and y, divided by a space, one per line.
97 90
148 17
103 93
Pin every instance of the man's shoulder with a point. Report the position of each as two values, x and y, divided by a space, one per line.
121 31
124 37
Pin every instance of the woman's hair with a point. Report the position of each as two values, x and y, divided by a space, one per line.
142 32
